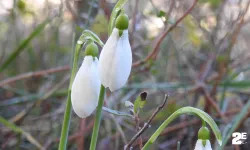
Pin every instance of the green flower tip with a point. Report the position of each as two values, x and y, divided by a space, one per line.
91 50
122 22
204 133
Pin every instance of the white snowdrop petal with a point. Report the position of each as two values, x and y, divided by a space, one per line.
122 62
199 145
85 88
106 58
208 145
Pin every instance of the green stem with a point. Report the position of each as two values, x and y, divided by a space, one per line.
97 119
67 114
184 110
178 145
203 123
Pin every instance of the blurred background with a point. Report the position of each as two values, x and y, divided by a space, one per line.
197 51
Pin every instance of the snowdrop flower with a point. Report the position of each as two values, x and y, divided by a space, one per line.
86 85
203 142
116 57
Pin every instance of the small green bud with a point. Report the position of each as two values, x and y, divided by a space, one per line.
204 133
21 5
91 50
122 22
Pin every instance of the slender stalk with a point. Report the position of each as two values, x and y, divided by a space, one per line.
184 110
178 145
67 114
203 123
97 119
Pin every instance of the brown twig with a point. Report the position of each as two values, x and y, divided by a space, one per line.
162 37
134 21
137 124
146 125
21 115
33 74
210 100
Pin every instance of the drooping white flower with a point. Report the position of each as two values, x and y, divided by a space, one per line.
115 60
200 146
86 87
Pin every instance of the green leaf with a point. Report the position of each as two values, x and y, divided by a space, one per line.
89 35
21 99
235 124
161 13
115 112
236 84
204 116
140 102
23 45
114 14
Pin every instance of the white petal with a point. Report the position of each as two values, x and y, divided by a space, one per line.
122 63
208 145
199 145
86 87
106 57
115 61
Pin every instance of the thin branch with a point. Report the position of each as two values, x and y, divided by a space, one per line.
146 125
134 21
33 74
213 104
162 37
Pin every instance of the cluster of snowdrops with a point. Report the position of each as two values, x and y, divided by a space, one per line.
112 71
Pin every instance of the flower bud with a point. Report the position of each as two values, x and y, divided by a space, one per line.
129 104
91 50
204 133
203 142
122 22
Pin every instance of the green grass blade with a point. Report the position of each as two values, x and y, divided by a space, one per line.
23 45
115 112
89 35
236 84
234 125
18 130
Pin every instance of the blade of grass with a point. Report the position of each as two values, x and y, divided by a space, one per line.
236 84
18 130
23 45
235 124
29 98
